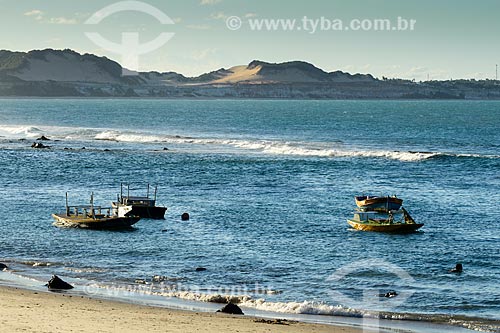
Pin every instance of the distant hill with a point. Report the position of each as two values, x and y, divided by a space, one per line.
68 73
55 65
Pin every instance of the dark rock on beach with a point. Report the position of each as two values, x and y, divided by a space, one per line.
43 138
58 284
3 266
231 309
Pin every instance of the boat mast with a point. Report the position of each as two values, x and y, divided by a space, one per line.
121 193
147 195
92 204
67 207
156 189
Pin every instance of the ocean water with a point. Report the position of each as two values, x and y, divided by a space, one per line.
269 186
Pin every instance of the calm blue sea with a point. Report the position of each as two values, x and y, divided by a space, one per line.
269 186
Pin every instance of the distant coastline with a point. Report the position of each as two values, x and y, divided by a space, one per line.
66 73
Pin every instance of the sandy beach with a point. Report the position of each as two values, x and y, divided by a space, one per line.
33 311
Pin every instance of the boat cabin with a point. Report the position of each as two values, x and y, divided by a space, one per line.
138 201
395 216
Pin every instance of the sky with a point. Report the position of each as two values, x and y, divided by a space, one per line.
451 39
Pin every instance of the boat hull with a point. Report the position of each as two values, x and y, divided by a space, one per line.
147 212
378 203
385 227
111 222
157 213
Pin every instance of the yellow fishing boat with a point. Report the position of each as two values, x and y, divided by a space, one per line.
384 221
367 202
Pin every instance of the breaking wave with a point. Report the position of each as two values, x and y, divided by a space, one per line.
268 147
19 131
253 300
37 263
283 148
314 308
320 308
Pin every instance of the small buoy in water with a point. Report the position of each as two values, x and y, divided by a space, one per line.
390 294
164 230
165 148
200 269
458 269
185 217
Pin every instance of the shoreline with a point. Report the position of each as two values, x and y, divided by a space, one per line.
18 293
233 98
45 311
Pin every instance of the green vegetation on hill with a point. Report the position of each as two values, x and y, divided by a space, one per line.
11 60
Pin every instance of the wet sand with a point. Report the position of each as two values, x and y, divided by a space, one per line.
34 311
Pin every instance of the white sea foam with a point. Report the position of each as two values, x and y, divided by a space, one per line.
269 147
53 132
305 149
85 270
303 307
320 308
37 263
210 298
19 131
128 137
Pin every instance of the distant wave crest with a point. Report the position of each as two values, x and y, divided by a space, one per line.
283 147
268 147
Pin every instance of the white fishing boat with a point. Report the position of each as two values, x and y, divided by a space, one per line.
142 206
94 217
